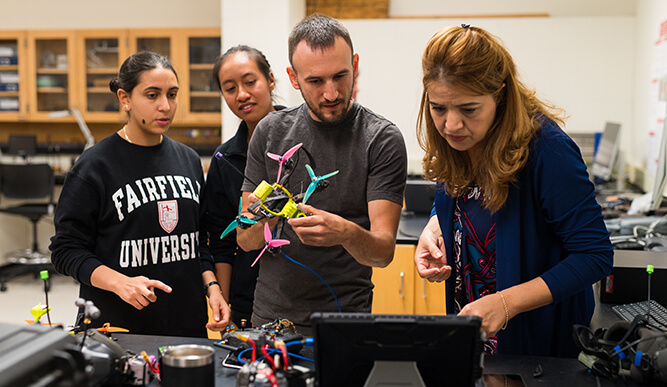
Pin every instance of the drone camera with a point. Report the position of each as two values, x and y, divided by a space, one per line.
288 164
322 185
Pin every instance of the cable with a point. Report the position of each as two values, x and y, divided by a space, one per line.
283 350
221 157
654 225
44 274
267 356
318 276
632 344
226 363
144 355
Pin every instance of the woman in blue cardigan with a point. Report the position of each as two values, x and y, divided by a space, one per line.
516 230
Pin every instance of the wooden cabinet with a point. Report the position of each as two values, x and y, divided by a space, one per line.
45 71
13 76
400 290
203 102
101 54
192 52
51 72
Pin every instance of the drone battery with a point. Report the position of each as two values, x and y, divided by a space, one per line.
187 365
263 190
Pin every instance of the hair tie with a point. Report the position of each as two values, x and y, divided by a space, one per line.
466 26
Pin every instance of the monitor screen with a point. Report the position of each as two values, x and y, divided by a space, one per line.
605 156
419 196
356 349
22 145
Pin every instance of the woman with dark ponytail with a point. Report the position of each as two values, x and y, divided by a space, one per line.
129 219
243 76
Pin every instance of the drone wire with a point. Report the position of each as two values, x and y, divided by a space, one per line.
220 156
318 276
312 271
271 351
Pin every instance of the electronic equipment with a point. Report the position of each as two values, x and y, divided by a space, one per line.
278 330
262 355
105 358
637 347
356 349
607 152
22 145
660 181
627 225
620 287
39 355
657 312
419 197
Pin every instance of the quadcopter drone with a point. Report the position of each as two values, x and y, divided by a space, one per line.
275 199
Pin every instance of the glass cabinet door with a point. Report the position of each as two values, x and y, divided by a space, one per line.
204 95
52 75
158 44
12 76
102 56
51 67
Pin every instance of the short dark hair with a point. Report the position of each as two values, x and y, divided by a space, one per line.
255 54
134 66
319 31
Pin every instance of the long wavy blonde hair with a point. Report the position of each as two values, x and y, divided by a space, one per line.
476 61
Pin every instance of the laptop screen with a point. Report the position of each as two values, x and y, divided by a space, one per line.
356 349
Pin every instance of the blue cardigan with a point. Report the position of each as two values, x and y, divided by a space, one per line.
551 226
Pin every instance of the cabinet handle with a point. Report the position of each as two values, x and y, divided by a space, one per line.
423 288
401 289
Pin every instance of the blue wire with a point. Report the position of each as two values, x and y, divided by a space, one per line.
300 357
238 357
273 234
272 351
318 276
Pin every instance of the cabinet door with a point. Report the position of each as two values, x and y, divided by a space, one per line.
204 100
429 296
166 43
13 76
51 70
100 53
395 284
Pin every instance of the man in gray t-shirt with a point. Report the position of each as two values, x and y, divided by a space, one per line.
352 223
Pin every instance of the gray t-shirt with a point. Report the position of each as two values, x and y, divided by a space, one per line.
370 154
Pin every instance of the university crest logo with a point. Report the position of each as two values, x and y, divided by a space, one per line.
168 214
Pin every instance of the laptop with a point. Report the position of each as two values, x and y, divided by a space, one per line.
363 349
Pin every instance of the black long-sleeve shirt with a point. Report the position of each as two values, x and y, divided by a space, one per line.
137 210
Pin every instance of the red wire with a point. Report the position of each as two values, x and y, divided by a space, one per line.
283 349
268 357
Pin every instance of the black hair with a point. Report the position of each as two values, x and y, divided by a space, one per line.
134 66
255 54
319 31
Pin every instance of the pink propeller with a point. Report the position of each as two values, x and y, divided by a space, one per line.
282 159
269 241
